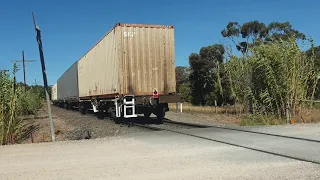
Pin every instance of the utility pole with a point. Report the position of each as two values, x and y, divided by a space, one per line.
35 82
24 68
44 73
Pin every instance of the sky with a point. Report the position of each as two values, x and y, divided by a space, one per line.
71 27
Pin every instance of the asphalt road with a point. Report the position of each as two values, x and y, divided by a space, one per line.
301 149
159 155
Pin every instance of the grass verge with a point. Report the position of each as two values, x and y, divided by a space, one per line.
256 120
189 108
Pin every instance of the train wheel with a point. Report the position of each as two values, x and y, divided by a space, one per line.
100 114
82 109
161 113
147 114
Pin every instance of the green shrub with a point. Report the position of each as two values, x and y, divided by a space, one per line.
14 102
257 119
276 76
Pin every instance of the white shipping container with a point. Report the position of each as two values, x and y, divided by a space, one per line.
54 92
68 84
129 59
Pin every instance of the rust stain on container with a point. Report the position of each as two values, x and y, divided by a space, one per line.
129 59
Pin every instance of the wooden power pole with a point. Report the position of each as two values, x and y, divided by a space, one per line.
24 68
44 74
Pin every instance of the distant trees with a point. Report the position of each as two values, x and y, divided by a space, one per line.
272 72
204 75
182 74
182 82
254 32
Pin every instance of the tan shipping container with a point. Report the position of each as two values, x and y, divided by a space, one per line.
54 92
67 84
130 59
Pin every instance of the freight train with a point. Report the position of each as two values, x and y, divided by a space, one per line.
129 71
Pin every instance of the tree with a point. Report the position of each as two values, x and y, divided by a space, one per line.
282 31
255 32
196 78
185 92
182 74
203 68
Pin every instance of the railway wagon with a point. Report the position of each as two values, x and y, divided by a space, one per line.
54 93
67 88
129 71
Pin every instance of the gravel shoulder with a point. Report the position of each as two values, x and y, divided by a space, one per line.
214 119
146 155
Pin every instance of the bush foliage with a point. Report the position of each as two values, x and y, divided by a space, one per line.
15 102
276 77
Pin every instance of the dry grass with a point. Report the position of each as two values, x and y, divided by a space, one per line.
307 116
189 108
304 116
255 119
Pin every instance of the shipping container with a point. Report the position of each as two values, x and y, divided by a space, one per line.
129 71
68 84
131 59
54 92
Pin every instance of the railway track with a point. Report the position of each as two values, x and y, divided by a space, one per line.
240 130
193 125
231 143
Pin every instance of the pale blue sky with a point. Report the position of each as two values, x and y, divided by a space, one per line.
70 28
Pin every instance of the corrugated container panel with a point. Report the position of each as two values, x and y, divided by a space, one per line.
68 84
129 59
99 68
147 59
54 92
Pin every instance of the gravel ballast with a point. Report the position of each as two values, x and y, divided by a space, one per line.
72 125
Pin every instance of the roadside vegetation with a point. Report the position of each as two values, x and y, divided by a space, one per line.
268 73
16 102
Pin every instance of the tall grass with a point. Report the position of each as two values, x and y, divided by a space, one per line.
272 83
15 102
273 79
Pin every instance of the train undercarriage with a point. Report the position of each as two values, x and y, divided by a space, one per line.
123 107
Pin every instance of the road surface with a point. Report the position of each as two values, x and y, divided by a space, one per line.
151 155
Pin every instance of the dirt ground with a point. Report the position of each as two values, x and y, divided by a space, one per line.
72 125
207 119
